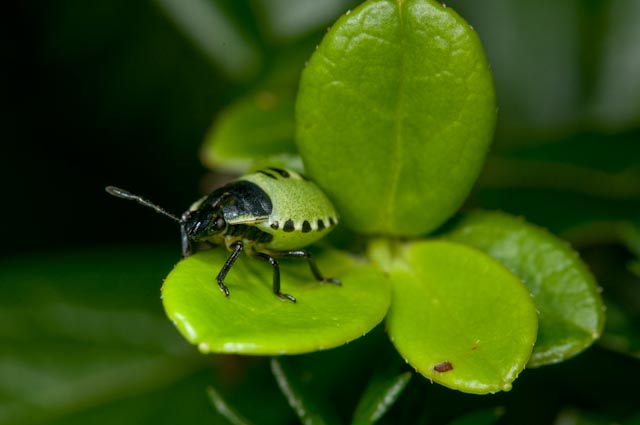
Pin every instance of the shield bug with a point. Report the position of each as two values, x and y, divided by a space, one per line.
273 213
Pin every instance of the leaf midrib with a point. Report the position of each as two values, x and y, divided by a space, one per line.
394 175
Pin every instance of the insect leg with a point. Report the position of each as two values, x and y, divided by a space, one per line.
276 275
237 249
301 253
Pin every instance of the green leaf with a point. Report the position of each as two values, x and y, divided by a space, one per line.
308 406
395 113
381 393
256 128
459 317
252 320
566 295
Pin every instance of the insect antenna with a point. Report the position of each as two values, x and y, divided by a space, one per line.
121 193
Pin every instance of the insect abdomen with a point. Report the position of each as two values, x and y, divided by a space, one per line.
301 212
248 232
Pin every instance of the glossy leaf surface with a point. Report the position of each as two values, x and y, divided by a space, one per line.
566 294
395 113
460 318
252 320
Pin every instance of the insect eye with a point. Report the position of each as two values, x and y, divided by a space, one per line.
220 223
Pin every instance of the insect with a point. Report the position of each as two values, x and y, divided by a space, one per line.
270 214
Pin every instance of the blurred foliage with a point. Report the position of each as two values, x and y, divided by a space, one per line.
117 92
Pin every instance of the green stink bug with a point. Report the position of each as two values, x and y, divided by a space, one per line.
270 214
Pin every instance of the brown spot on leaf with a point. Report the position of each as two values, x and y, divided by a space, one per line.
443 367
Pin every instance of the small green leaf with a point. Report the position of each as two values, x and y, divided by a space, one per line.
460 318
252 320
303 400
381 393
256 128
395 113
567 297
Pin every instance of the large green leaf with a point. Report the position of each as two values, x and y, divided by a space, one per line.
566 295
252 320
395 113
459 317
